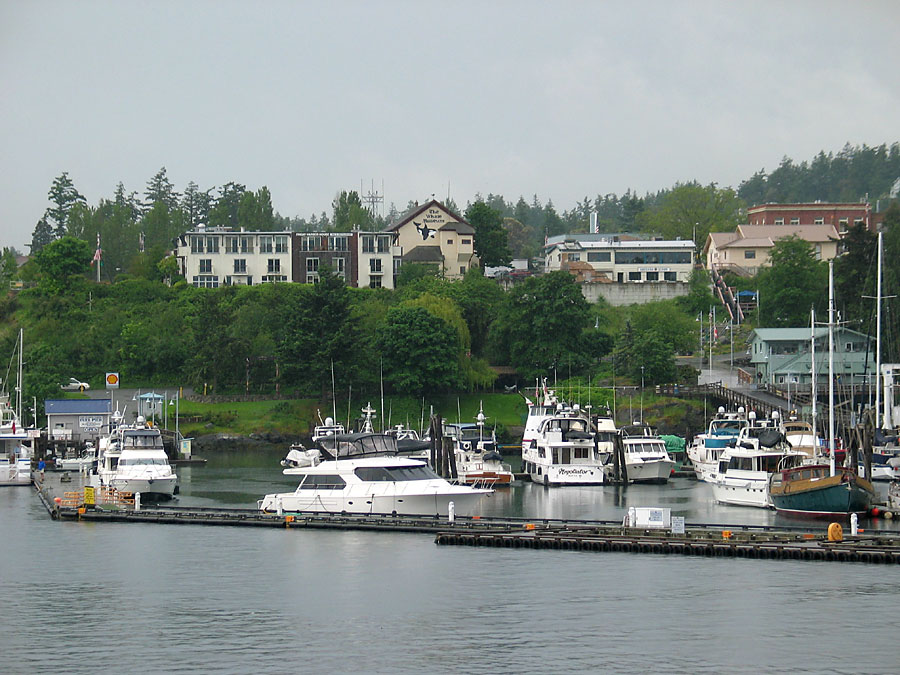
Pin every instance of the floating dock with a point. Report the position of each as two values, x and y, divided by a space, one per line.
68 500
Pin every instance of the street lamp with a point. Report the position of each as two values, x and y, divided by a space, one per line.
642 394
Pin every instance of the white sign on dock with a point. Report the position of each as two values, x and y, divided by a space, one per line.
677 524
652 517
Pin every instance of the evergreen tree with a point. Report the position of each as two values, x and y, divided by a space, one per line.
160 189
63 196
42 235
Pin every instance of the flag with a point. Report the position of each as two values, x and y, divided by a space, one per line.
98 253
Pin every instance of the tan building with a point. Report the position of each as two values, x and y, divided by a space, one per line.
433 234
747 248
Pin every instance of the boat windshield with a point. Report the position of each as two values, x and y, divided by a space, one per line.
726 427
143 461
394 473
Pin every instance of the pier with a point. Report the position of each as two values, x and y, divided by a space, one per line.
68 500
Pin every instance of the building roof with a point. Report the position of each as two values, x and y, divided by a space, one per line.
606 241
798 334
78 406
811 233
418 210
803 206
426 254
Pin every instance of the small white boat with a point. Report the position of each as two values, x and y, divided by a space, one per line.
15 442
646 457
361 473
134 460
84 461
743 477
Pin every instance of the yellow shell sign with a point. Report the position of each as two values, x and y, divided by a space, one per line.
112 380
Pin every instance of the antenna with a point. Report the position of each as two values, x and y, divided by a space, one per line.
373 199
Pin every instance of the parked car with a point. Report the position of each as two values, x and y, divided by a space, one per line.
75 385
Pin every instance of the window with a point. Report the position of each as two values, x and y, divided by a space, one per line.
196 244
281 244
600 256
818 251
652 276
312 264
323 482
749 255
368 244
795 221
265 244
340 266
819 221
212 244
274 266
374 265
375 282
574 257
337 244
246 245
384 244
857 221
240 266
634 276
312 278
848 347
205 266
270 278
779 221
449 241
206 281
462 269
843 222
465 242
670 276
231 244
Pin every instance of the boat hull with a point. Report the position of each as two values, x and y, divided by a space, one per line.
827 497
567 474
655 471
149 488
742 493
423 503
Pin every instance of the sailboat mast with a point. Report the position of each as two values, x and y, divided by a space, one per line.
831 365
812 363
19 378
878 338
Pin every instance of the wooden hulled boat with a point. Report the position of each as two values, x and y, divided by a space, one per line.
812 490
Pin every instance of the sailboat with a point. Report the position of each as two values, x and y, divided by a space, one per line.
822 489
15 452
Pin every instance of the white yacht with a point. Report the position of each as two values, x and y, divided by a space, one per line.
561 450
646 457
760 450
15 449
478 462
801 436
705 450
361 473
134 460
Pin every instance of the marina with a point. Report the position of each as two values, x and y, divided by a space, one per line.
820 542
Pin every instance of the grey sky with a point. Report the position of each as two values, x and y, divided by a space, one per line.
562 99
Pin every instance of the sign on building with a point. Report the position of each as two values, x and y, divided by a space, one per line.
112 380
90 422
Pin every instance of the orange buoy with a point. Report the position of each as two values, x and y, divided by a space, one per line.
57 500
875 512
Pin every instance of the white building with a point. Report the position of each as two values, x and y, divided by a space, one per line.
622 268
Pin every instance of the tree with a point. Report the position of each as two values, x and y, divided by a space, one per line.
349 213
160 189
541 325
491 245
654 352
225 211
62 259
691 211
64 196
668 321
195 205
520 238
855 272
8 267
793 283
419 351
42 235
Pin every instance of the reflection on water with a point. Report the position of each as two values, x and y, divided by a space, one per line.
109 597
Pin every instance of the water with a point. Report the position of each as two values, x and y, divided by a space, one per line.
107 597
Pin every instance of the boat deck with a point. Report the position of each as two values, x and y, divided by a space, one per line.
65 500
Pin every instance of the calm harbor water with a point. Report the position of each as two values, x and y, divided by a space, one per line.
104 597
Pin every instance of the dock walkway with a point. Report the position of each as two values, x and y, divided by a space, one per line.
65 500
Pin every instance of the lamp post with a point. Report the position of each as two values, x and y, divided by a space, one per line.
642 394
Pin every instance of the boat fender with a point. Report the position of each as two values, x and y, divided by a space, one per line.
835 532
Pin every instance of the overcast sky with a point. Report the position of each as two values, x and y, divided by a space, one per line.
561 99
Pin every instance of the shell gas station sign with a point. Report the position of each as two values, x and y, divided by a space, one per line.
112 380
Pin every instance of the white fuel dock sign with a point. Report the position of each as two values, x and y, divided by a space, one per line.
90 422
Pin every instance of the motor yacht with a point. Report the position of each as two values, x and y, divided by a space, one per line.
646 458
706 449
133 459
362 473
478 461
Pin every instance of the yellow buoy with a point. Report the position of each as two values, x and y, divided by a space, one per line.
835 532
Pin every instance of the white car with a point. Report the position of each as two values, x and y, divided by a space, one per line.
75 385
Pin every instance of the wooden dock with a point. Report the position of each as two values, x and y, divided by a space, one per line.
67 500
